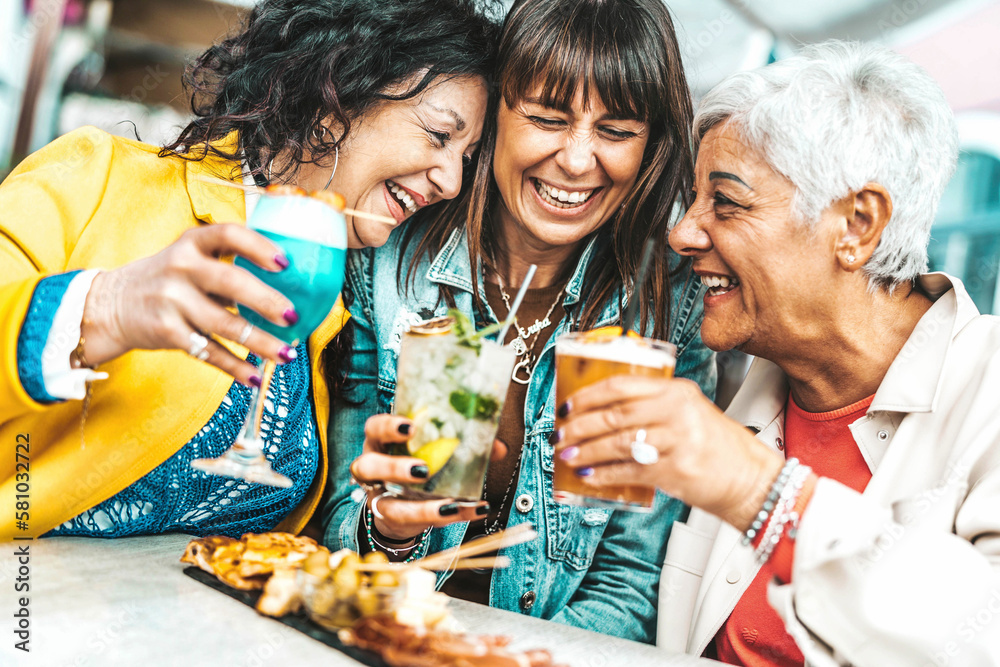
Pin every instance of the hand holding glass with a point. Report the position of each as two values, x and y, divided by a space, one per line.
313 237
581 360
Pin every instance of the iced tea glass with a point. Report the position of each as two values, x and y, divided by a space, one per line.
453 392
583 359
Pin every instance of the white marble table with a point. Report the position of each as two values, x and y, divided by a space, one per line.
98 603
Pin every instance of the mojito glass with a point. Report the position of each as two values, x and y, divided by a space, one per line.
453 390
583 359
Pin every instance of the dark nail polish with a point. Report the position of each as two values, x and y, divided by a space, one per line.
569 453
585 472
287 354
557 436
254 380
420 472
291 316
281 261
564 409
451 509
483 510
404 429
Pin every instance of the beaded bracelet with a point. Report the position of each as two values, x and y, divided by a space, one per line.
772 497
783 515
375 546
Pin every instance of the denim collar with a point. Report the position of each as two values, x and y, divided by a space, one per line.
452 267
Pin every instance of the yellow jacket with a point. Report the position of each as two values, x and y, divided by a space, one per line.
91 200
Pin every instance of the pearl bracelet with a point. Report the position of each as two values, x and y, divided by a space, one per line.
784 514
769 503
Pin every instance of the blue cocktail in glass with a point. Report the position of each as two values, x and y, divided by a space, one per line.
313 237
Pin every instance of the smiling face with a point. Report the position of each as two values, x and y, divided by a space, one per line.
770 275
408 154
563 172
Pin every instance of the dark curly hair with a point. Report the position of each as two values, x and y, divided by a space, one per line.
298 62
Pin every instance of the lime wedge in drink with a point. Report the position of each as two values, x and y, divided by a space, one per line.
436 453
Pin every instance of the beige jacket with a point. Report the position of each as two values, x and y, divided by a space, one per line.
907 573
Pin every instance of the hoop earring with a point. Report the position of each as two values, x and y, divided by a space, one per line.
336 153
336 162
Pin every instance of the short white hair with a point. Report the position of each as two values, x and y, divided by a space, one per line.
838 115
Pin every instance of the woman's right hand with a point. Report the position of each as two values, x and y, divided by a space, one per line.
402 519
159 302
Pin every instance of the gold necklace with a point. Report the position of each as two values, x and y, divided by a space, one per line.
520 343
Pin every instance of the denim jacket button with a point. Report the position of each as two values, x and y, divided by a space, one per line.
528 601
524 503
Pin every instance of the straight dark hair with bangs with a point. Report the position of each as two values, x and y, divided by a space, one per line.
626 53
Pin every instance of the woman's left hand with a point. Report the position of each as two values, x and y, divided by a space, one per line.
705 459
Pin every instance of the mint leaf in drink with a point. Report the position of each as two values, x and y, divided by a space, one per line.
463 402
465 331
474 406
486 408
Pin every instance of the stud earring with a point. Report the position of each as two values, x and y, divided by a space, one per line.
850 259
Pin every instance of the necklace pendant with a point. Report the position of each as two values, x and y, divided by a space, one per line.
522 371
518 347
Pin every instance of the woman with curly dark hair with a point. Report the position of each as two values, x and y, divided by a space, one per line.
116 254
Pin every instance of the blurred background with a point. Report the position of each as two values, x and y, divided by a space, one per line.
117 64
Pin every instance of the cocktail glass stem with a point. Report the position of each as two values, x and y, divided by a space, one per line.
245 459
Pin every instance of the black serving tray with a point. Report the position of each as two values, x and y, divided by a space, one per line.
299 621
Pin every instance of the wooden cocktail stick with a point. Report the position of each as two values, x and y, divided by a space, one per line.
255 188
505 538
497 563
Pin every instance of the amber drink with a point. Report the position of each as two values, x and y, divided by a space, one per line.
583 359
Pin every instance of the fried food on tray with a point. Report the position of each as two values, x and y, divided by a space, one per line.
282 594
405 646
248 562
337 595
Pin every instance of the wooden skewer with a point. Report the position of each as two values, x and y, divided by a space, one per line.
212 180
496 563
505 538
370 216
255 188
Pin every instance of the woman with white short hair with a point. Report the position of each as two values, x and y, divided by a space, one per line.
847 505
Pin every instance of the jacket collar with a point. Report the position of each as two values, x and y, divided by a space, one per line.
452 267
216 203
910 385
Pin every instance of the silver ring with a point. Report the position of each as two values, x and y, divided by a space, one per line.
644 453
245 334
199 346
378 515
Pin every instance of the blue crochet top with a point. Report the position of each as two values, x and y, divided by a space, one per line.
174 497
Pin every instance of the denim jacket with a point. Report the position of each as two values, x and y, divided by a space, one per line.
590 568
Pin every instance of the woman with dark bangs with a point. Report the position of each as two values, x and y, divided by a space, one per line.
585 159
380 101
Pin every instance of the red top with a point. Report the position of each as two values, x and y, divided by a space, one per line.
755 635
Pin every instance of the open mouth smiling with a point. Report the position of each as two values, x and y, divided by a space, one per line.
401 196
562 198
719 284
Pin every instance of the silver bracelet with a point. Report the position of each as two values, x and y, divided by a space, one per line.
373 543
784 514
769 503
